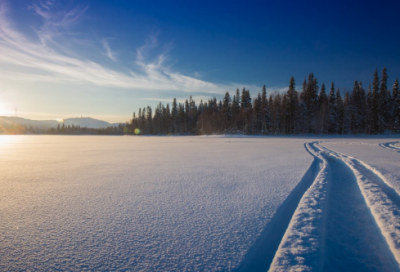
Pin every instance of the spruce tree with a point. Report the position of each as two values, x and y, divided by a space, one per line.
226 110
347 116
340 109
368 111
291 106
396 106
323 121
375 109
333 112
384 100
264 111
174 117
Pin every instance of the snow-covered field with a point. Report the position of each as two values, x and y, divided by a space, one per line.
93 203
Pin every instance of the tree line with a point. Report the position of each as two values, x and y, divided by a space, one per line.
17 129
313 110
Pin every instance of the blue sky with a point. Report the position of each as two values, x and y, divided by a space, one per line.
107 58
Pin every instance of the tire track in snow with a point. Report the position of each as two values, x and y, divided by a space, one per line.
261 254
334 227
391 146
382 200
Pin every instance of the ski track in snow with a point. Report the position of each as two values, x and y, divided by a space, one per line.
348 220
394 146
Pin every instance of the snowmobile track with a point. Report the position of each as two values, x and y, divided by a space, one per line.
348 220
391 146
261 254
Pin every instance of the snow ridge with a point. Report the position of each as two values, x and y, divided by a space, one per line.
300 247
382 199
391 146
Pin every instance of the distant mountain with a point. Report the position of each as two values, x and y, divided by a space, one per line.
86 122
83 122
7 121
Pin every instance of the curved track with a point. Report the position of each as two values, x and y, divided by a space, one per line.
348 220
394 146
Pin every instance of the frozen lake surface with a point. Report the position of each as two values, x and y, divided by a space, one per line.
97 203
140 203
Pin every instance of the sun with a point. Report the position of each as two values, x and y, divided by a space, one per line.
3 110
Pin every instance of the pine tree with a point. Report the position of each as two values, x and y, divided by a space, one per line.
226 110
264 111
311 100
149 121
174 117
333 112
340 109
368 111
358 104
396 106
258 113
348 111
292 102
395 89
323 111
375 109
384 113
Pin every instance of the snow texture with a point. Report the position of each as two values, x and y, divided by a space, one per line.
94 203
357 225
300 247
213 203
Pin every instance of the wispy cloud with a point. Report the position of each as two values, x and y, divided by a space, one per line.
56 22
109 53
44 61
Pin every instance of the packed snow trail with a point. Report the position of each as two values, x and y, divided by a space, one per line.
338 225
301 245
382 200
261 254
391 146
353 241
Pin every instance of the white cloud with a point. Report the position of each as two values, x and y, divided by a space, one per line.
45 62
109 53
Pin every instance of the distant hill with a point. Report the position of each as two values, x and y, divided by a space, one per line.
83 122
86 122
7 121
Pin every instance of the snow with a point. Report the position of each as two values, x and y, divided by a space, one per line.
369 151
349 219
212 203
300 247
381 199
140 203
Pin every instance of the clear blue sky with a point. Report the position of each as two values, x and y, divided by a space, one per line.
107 58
